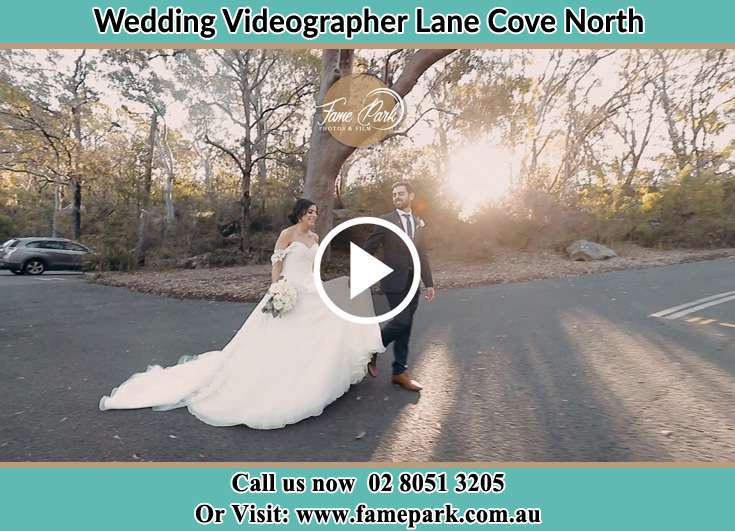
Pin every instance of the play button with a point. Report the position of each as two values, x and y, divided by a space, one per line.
365 270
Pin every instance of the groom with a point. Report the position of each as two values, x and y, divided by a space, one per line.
396 285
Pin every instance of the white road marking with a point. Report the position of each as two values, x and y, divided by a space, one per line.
699 307
673 309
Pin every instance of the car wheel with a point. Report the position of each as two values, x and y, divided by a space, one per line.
34 266
16 271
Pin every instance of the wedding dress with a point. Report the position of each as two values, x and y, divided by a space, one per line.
274 371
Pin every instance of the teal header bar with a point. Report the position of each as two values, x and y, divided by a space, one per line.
362 23
566 499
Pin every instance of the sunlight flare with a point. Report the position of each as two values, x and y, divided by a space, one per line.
480 173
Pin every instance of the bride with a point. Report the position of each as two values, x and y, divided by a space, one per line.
274 371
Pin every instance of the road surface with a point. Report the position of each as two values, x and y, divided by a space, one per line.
573 369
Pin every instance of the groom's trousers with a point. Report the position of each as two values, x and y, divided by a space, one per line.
398 329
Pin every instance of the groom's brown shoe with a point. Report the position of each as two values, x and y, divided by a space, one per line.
373 366
406 382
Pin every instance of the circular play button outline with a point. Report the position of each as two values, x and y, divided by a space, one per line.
367 220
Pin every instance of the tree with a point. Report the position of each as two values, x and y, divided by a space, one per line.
634 126
51 106
135 73
326 154
79 97
249 99
694 87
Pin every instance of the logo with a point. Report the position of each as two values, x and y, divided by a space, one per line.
359 110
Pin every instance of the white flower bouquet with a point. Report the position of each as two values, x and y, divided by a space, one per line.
281 298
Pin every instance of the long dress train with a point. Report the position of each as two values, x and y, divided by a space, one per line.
274 371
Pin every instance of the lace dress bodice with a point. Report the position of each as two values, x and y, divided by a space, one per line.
298 264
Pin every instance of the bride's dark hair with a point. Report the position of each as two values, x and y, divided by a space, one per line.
299 209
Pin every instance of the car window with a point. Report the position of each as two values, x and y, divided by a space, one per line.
70 246
11 243
46 244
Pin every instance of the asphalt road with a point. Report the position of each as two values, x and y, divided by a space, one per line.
558 370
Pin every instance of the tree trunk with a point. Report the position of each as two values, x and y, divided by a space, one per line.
678 145
168 195
79 77
76 197
326 155
341 185
261 150
143 215
244 215
321 171
208 177
246 167
58 206
76 180
442 152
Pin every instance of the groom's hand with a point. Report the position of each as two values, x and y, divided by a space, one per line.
430 294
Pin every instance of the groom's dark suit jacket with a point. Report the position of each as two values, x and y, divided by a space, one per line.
397 257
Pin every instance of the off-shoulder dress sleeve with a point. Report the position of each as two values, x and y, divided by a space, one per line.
279 255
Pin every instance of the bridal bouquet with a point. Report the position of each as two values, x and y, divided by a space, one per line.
282 299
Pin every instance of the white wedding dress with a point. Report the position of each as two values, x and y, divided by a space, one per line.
274 371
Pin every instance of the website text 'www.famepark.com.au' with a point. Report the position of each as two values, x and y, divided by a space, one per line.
362 513
448 514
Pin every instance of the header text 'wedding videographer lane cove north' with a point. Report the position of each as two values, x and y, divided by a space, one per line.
243 20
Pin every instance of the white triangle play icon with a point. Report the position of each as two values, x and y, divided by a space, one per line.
365 270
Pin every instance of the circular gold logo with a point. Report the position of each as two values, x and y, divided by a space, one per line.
360 110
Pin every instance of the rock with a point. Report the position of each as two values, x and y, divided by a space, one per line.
583 250
196 262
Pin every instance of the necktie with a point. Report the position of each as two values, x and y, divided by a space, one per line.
409 225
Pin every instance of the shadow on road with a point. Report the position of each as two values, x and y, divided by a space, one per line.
543 371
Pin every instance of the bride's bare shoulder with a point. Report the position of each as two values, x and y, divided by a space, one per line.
285 238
